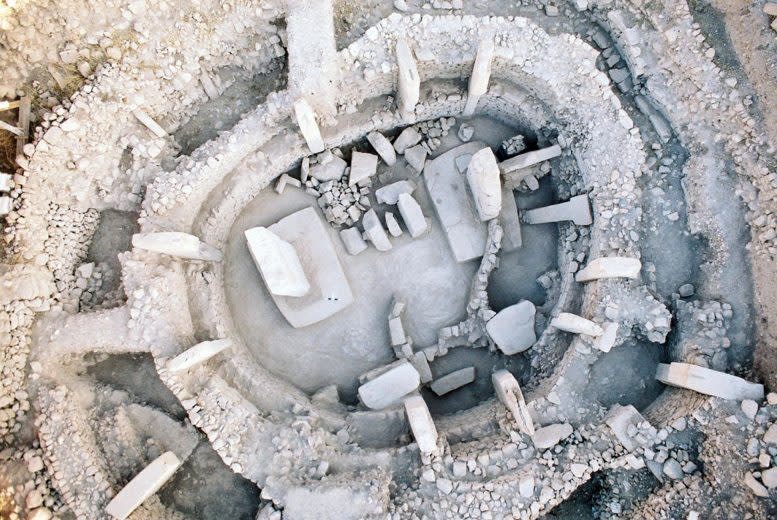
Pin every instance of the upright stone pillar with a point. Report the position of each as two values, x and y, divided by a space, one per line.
408 82
481 74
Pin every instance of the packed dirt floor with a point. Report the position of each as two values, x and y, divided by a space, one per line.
436 259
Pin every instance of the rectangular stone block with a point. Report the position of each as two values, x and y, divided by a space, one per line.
408 81
450 382
527 159
413 217
197 354
421 423
610 267
308 126
708 381
389 387
363 166
277 262
143 485
484 184
575 209
508 391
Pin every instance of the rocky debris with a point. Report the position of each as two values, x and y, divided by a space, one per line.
328 167
285 180
407 138
465 132
513 146
416 157
512 328
392 225
702 333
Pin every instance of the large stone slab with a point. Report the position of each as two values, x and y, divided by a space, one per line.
708 381
277 262
329 291
512 328
143 485
450 382
308 126
408 80
610 267
174 243
527 159
575 209
390 386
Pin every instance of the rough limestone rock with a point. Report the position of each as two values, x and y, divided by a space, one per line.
484 184
512 328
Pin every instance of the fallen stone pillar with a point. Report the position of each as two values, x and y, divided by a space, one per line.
484 183
174 243
708 381
143 485
450 382
363 166
527 159
149 123
197 354
481 74
390 193
408 82
412 215
421 423
278 263
548 436
375 232
312 53
575 209
512 328
353 241
383 147
390 386
306 120
610 267
509 394
576 324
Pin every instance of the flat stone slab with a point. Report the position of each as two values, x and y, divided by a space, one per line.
485 184
174 243
389 387
512 328
708 381
548 436
413 217
143 485
450 382
389 194
277 262
527 159
383 146
329 291
363 166
577 209
197 354
610 267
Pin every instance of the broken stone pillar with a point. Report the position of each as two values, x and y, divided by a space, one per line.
363 166
512 328
408 82
508 391
313 71
622 419
143 485
383 147
149 123
548 436
197 354
306 120
278 263
610 267
575 209
450 382
353 241
606 341
484 183
375 232
527 159
576 324
414 219
173 243
390 193
390 386
481 74
708 381
421 423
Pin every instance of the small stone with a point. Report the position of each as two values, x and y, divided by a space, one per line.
465 132
749 408
672 469
686 290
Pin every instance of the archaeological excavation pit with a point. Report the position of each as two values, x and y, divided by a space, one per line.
312 260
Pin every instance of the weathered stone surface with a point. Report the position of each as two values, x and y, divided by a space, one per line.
197 354
576 209
353 241
407 138
709 382
416 157
278 263
610 267
508 391
481 74
576 324
143 485
383 147
413 217
421 423
606 341
363 166
548 436
527 159
389 387
450 382
330 291
330 169
512 328
484 184
408 81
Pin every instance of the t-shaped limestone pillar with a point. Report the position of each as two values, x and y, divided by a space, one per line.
575 209
509 393
421 423
708 381
277 262
408 81
173 243
143 485
481 74
484 183
306 120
